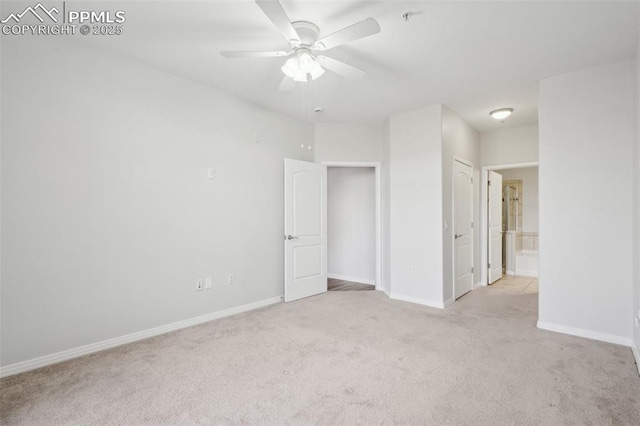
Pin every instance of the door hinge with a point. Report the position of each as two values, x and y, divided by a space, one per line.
472 269
471 225
489 183
471 180
489 265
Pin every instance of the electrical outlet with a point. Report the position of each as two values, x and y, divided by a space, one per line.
230 279
410 270
199 284
208 283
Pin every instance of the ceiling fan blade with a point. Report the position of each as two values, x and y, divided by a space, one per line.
239 54
276 14
287 84
354 32
340 68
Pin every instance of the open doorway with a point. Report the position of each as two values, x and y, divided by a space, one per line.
353 226
510 234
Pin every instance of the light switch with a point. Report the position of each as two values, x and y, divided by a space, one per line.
211 173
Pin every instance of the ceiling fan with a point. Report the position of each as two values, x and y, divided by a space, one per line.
305 46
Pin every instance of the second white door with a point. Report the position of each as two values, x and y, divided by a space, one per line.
494 266
462 228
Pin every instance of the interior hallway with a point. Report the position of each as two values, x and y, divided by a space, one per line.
527 285
345 357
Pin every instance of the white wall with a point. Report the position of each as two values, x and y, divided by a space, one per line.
529 177
415 153
1 186
509 145
462 141
108 216
636 310
386 208
351 204
348 142
585 178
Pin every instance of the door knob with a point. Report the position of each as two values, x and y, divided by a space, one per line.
291 237
456 236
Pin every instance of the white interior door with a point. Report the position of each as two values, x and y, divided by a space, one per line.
462 228
305 228
494 268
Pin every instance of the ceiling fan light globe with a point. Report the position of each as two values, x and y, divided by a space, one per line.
305 62
287 72
290 67
317 71
300 77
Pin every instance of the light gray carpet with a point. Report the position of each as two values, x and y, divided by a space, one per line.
344 358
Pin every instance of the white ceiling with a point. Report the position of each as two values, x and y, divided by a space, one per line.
471 56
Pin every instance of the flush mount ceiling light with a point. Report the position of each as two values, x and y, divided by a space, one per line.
501 114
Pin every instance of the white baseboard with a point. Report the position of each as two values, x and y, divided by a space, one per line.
589 334
449 301
477 285
20 367
509 273
425 302
352 279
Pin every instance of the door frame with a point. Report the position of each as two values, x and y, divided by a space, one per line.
453 225
378 211
484 212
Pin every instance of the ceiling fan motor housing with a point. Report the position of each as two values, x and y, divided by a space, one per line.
308 32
